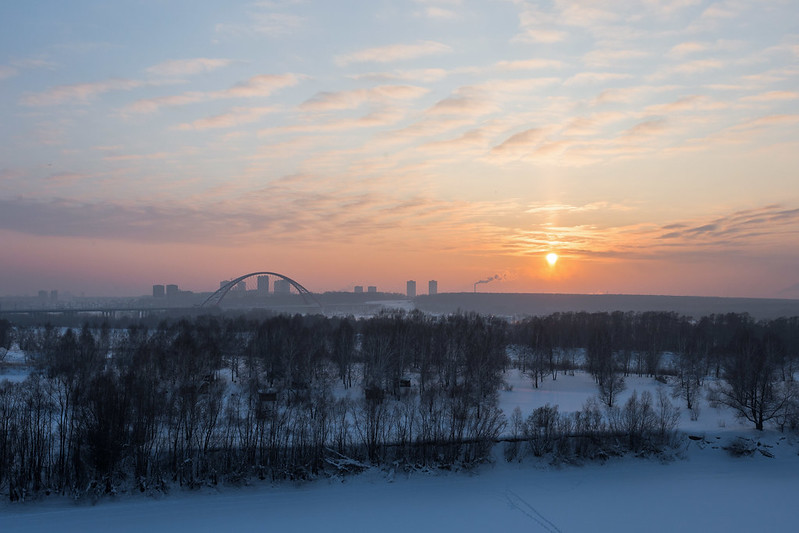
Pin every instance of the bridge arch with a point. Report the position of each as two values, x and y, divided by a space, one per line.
217 296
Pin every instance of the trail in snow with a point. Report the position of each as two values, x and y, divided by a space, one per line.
520 504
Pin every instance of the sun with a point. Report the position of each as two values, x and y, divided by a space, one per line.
552 258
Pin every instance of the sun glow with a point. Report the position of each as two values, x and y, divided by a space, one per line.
552 258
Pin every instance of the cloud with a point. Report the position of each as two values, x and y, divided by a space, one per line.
669 7
630 94
770 77
7 72
429 126
434 12
646 129
68 177
327 101
694 102
262 85
751 227
567 208
393 52
151 105
541 36
425 75
688 68
234 117
530 64
187 67
596 78
270 24
721 10
81 93
463 106
586 14
754 233
592 124
36 62
276 24
472 139
687 48
382 116
258 86
605 57
177 155
304 209
772 96
522 86
693 47
138 157
520 142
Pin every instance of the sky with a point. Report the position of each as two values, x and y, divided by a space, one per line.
652 144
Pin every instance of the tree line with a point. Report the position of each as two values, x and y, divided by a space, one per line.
286 397
197 401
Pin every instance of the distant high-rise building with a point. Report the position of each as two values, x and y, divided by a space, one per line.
53 296
223 283
282 286
410 288
432 287
263 284
241 286
172 291
371 289
359 289
158 291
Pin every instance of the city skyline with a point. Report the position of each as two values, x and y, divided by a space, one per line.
651 146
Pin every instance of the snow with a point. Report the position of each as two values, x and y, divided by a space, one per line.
570 393
701 488
706 491
12 365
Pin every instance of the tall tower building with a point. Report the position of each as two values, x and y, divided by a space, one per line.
263 284
172 291
158 291
371 289
410 288
358 289
282 286
432 287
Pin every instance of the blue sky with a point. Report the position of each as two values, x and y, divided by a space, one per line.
651 144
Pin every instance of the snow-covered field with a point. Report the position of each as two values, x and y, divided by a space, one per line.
570 393
702 488
12 365
705 491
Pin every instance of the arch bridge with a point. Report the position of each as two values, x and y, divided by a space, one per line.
217 296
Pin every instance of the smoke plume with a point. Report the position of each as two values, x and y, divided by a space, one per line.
487 280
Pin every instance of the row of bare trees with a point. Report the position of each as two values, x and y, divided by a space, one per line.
195 401
198 401
752 365
643 424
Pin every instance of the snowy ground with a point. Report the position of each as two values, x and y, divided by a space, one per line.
569 393
12 365
706 491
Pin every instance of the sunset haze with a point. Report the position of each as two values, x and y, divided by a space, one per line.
653 145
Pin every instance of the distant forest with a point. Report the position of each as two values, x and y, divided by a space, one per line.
226 399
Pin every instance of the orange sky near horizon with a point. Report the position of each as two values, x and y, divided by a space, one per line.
653 146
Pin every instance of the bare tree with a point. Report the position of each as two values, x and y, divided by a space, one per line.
751 386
